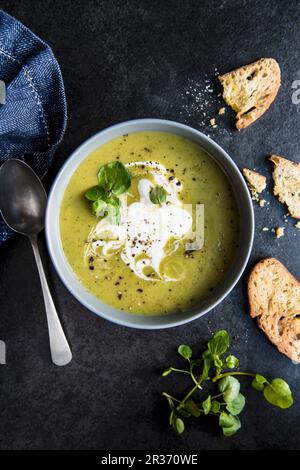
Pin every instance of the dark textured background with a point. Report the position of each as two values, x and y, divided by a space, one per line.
130 59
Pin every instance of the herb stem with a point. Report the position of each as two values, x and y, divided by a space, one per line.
171 397
217 396
196 382
227 374
180 370
190 393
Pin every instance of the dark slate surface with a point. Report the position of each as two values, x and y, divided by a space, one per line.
123 60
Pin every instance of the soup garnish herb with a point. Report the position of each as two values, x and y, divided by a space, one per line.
95 193
227 403
158 195
113 180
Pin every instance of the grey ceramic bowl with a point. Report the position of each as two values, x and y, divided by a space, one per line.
246 225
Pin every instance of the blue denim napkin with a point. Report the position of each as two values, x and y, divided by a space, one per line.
34 114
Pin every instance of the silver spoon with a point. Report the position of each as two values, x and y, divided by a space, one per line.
23 204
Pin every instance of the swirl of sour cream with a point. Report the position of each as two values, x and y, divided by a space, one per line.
145 228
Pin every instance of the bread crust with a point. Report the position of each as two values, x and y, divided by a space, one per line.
274 300
286 176
251 89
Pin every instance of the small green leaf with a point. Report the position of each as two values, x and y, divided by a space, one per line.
215 406
219 343
158 195
226 420
278 393
258 382
167 372
192 408
260 378
94 193
179 425
228 432
230 388
236 406
185 351
114 177
206 405
230 424
232 362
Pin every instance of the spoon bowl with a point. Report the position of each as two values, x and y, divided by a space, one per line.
22 198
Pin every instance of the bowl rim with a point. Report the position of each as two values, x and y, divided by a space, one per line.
53 210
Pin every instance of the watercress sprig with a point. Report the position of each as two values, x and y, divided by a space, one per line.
113 180
227 402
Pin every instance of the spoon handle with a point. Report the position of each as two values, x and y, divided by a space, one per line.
59 348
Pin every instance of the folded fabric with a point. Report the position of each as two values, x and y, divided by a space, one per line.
33 111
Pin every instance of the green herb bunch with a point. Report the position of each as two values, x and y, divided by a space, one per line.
113 180
228 402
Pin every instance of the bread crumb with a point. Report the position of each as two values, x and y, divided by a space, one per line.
262 202
265 229
212 122
221 111
256 183
297 225
279 231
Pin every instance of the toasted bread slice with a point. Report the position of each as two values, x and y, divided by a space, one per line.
251 89
256 182
286 176
274 297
